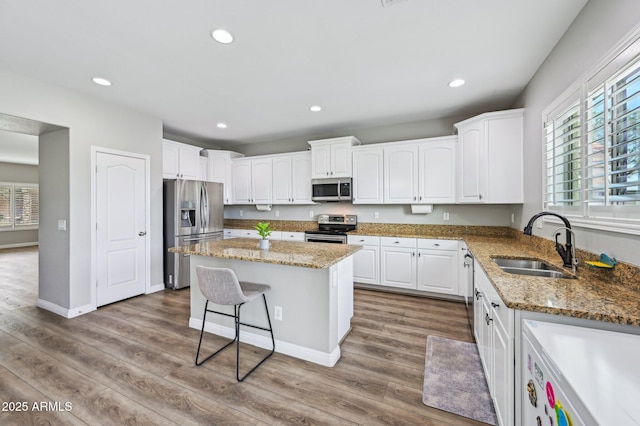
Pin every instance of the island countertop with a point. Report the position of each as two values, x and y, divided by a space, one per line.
291 253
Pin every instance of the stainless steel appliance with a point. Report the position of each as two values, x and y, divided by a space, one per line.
331 189
332 228
193 213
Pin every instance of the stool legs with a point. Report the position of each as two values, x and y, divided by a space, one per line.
238 323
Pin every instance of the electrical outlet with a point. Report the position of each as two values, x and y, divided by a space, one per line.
513 218
241 213
277 312
376 215
311 213
277 213
445 216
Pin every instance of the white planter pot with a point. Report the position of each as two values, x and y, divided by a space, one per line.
264 244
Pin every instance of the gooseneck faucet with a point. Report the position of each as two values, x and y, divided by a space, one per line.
566 252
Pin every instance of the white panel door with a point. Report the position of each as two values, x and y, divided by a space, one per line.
437 168
367 176
301 178
121 213
398 267
401 174
282 180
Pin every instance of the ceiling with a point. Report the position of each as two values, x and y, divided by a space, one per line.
365 64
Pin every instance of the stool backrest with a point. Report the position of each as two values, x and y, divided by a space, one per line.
220 285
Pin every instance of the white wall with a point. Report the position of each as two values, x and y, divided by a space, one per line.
90 122
600 25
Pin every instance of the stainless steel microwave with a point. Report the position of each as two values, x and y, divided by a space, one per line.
331 189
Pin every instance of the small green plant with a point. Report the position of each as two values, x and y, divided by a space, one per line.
264 229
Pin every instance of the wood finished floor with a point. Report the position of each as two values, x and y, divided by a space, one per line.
132 363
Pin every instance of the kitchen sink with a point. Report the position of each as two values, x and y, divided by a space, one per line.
529 267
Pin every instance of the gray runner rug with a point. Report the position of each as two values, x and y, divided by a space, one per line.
454 380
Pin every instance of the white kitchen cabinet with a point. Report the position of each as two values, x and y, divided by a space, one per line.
252 180
332 157
231 233
292 236
180 161
292 178
437 171
203 170
368 175
490 158
220 170
401 174
438 266
253 233
494 332
398 262
366 261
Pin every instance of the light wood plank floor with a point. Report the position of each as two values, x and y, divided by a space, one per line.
132 363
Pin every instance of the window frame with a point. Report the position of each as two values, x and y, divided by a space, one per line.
13 226
608 217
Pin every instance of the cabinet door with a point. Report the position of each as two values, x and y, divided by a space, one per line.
262 181
437 169
320 161
170 160
401 174
438 271
340 159
366 265
503 373
189 163
282 180
471 185
220 171
398 267
504 160
367 176
241 181
301 178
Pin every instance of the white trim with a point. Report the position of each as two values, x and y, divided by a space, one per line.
6 246
623 227
156 288
65 312
94 240
326 359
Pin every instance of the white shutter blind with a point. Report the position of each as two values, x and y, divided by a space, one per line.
562 148
27 207
6 219
613 120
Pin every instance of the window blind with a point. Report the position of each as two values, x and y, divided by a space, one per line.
27 207
6 218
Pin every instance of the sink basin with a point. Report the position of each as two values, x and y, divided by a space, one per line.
530 267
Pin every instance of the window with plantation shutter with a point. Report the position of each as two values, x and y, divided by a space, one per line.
592 146
19 206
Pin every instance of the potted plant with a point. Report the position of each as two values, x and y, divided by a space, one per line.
264 230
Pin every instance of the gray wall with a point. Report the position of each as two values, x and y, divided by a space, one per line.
20 173
54 250
600 25
91 123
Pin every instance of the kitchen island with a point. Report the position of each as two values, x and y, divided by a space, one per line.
311 289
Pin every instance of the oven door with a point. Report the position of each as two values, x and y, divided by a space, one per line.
325 238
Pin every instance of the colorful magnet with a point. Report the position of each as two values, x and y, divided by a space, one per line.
551 397
562 415
539 375
531 390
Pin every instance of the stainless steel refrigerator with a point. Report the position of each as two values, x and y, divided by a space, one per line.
193 213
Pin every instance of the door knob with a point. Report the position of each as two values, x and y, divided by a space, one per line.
142 233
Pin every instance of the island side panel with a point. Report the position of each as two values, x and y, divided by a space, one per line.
308 301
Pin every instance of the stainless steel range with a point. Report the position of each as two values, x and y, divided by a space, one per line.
332 228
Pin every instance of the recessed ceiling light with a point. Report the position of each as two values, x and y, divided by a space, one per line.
221 125
456 83
316 108
222 36
101 81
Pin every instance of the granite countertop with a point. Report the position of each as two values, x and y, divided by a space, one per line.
592 295
290 253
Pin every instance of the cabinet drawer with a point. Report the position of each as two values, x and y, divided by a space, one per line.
231 233
293 236
363 240
398 242
249 233
435 244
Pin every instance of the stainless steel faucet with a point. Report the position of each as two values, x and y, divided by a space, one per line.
567 253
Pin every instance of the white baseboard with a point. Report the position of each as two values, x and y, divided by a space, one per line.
6 246
65 312
325 359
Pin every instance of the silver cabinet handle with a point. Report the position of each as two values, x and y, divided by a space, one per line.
495 305
142 233
437 244
487 319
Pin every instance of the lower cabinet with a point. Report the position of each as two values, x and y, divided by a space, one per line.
438 266
398 262
494 332
366 261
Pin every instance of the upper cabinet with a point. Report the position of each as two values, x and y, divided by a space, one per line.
332 157
490 159
422 171
368 175
252 180
292 178
180 161
219 163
